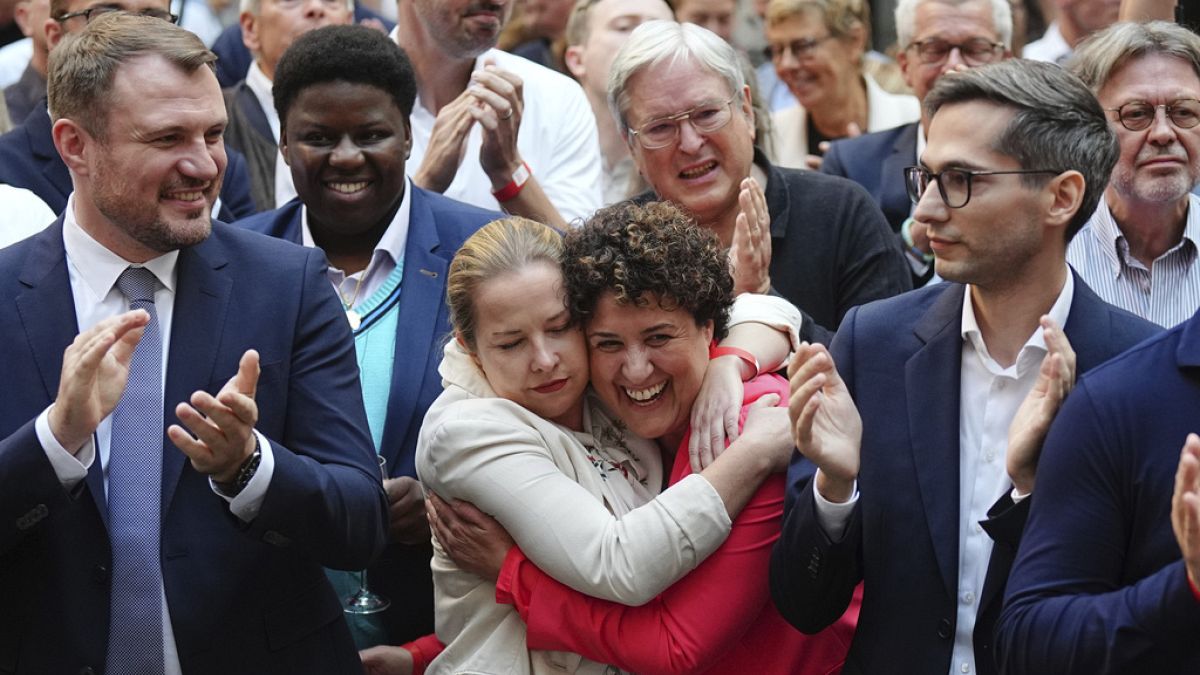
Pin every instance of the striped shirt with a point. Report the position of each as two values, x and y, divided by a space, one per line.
1167 293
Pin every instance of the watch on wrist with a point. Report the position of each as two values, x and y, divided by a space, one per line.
244 473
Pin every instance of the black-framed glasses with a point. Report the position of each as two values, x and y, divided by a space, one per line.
704 118
801 49
954 185
975 52
98 10
1139 115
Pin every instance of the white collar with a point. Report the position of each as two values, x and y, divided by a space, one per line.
394 239
1059 311
260 85
98 266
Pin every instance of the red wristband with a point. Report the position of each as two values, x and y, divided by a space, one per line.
519 178
742 354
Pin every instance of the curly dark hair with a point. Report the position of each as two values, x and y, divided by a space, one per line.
354 54
635 251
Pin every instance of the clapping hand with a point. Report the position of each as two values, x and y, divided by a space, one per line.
750 251
826 426
1032 421
221 427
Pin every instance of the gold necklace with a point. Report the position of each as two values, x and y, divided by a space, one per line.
352 316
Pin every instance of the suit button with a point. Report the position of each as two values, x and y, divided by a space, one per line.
87 670
944 629
100 574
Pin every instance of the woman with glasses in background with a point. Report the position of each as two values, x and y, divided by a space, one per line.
817 47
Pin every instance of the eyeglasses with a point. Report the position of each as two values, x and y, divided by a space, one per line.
1138 115
953 184
93 12
704 118
975 52
800 49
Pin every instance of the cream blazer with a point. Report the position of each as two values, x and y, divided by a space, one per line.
884 111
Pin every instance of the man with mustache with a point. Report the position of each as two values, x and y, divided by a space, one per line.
490 128
1138 251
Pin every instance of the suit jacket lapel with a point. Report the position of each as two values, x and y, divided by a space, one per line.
202 295
47 312
422 290
932 381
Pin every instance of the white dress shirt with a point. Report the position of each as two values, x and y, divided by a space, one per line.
25 214
558 140
93 271
388 253
1052 47
1167 293
260 85
988 400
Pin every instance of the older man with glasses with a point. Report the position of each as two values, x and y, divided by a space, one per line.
28 158
683 107
924 497
1139 249
938 36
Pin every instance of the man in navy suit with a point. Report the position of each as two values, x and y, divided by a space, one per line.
345 136
937 36
956 383
229 398
1109 568
28 158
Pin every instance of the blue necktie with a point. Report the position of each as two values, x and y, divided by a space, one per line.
135 634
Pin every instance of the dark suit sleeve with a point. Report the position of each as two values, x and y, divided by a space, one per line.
326 492
236 202
813 577
832 162
1069 607
32 492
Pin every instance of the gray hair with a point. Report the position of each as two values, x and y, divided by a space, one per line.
1058 124
253 6
83 66
657 41
906 19
1107 51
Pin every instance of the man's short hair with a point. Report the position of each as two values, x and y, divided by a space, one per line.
344 54
1058 125
253 6
79 78
579 24
906 19
1103 53
656 41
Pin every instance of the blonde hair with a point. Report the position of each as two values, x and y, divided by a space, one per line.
839 16
502 246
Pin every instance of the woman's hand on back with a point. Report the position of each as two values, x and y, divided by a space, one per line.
475 541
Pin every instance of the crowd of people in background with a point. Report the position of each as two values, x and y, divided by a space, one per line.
597 336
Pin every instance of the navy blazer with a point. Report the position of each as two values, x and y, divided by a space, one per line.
243 598
900 359
877 161
1099 586
437 228
28 159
